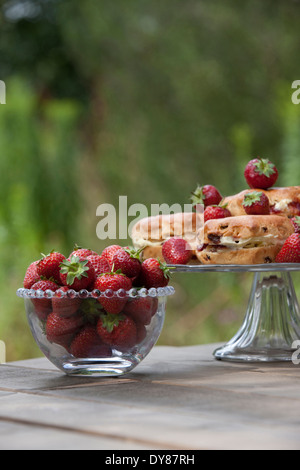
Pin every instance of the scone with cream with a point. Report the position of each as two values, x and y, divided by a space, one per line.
245 239
150 233
283 201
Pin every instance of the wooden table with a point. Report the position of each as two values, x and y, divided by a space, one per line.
179 398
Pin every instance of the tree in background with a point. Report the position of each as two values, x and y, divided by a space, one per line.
144 99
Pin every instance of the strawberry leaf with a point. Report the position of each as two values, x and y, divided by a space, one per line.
75 268
91 309
251 198
165 269
264 167
297 220
136 254
197 196
109 320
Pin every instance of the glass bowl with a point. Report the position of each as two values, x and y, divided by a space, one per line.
78 336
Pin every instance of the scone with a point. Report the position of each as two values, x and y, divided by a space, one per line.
283 201
246 239
150 233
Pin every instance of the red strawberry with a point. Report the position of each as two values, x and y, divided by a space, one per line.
260 173
290 251
141 332
176 250
49 266
113 281
128 261
65 305
216 212
119 331
82 252
154 273
87 343
100 264
77 273
43 306
207 195
296 222
61 330
31 276
294 208
45 284
256 203
141 309
109 252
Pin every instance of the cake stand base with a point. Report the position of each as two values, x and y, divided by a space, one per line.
271 328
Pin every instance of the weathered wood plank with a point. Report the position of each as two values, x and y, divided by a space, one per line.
178 398
21 436
149 428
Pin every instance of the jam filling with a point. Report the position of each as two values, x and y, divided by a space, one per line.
214 237
293 207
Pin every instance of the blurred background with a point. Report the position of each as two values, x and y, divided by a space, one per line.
144 99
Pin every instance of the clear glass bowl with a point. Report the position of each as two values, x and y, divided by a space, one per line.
66 327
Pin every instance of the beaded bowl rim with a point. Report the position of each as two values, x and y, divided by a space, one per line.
95 294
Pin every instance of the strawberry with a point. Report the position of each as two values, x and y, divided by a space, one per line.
154 273
31 275
141 332
296 222
119 331
141 309
260 173
65 305
294 208
290 251
207 195
77 273
216 212
128 261
49 266
82 253
90 309
45 284
88 344
61 330
176 250
256 202
43 306
113 281
109 252
100 264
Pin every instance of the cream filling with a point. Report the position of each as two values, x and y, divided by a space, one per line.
139 243
237 243
282 205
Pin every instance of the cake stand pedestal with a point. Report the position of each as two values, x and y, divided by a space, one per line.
271 328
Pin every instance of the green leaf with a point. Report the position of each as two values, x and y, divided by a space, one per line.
75 268
110 320
197 196
251 198
264 167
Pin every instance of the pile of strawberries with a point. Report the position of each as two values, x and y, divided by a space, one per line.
259 173
92 326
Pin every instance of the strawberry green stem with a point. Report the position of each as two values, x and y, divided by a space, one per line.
75 268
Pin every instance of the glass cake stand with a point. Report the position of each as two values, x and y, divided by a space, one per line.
271 327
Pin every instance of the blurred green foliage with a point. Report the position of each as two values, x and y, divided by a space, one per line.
144 99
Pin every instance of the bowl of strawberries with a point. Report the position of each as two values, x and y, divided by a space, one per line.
96 314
